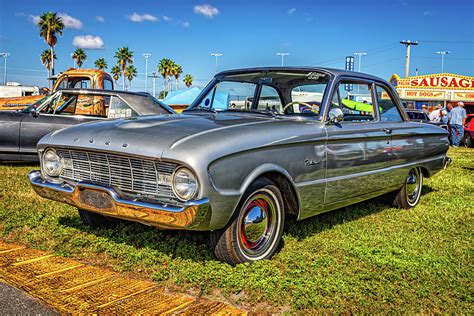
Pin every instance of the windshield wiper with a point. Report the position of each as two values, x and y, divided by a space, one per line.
264 112
201 109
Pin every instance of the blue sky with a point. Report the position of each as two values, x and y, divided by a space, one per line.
248 33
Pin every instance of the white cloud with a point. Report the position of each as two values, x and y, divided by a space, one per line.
88 42
186 24
207 10
167 18
135 17
69 21
100 18
428 12
291 11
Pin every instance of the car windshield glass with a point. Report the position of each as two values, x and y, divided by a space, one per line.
279 92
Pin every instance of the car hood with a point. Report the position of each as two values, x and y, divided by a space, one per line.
147 135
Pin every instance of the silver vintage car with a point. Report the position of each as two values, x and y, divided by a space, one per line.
256 146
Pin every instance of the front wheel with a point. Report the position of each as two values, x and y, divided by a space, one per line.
409 194
255 231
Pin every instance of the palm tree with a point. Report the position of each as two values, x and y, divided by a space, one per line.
164 69
116 72
130 72
100 64
188 80
177 72
79 56
46 60
124 57
50 25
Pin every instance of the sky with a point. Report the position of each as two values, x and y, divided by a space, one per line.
247 33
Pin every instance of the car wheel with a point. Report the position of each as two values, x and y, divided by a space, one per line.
95 220
410 193
255 231
467 140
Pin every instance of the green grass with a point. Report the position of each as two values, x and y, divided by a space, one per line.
369 257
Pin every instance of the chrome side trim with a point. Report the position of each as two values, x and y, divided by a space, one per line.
192 215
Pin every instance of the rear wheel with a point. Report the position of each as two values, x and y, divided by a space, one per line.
95 220
255 231
467 140
409 194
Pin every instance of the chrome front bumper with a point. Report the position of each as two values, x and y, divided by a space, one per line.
193 215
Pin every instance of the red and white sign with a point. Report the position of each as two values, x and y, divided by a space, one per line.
439 81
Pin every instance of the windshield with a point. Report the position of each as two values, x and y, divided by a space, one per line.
283 93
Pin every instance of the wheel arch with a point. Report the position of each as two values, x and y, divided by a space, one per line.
282 180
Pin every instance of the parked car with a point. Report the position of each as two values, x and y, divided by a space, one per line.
240 171
469 131
21 130
420 116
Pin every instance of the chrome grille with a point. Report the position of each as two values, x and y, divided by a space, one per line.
133 176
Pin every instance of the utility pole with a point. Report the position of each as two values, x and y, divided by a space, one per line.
407 62
5 55
216 55
443 53
146 56
153 76
283 55
360 54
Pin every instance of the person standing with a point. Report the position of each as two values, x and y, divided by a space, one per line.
424 108
456 121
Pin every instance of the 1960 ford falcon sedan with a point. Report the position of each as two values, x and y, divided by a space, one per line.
256 146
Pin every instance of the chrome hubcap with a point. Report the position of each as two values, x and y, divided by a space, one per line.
257 224
413 185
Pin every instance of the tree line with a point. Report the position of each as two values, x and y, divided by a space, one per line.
51 26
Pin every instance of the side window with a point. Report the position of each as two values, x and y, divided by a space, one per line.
82 83
108 85
388 108
269 100
120 109
355 101
230 95
91 105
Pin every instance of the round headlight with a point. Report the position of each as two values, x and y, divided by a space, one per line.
51 163
185 184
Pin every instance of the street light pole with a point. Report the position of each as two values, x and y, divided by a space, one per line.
443 53
146 56
360 54
282 57
216 55
407 57
154 76
5 55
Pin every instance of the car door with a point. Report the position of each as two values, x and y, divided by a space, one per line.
357 148
64 110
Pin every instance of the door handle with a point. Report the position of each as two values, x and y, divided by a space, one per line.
387 131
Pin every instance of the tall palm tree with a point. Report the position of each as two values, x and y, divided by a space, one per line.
79 56
177 72
124 57
163 68
116 72
188 80
50 26
130 72
100 64
46 60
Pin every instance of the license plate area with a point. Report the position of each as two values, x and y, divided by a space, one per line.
96 200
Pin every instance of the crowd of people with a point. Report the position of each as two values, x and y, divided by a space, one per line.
453 115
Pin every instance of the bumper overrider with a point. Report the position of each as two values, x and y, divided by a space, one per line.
193 215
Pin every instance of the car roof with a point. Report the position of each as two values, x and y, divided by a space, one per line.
335 72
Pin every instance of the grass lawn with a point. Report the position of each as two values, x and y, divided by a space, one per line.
369 257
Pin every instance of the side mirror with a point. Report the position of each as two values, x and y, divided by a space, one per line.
34 113
336 115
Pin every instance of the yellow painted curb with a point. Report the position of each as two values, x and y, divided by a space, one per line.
69 286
